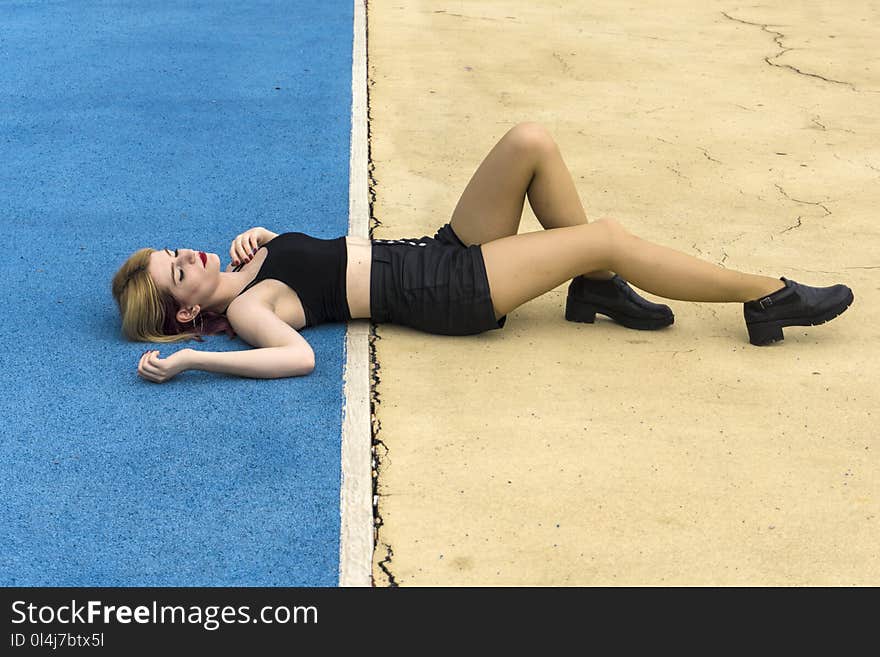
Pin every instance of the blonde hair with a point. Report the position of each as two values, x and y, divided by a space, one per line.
147 313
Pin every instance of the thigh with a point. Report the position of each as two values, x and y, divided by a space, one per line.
491 205
522 267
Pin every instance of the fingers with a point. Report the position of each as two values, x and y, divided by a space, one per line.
244 247
148 367
237 252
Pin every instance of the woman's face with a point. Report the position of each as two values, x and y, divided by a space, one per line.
189 276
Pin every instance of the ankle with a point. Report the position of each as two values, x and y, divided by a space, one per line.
763 287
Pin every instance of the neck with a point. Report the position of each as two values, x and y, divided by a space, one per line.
230 286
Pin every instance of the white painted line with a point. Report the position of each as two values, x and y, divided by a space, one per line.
356 489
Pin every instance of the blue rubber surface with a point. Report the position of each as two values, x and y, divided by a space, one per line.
131 124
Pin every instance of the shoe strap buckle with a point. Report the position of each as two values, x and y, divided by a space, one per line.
766 300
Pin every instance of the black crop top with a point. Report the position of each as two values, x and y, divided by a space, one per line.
314 268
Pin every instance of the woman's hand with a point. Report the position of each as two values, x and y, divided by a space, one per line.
245 245
159 370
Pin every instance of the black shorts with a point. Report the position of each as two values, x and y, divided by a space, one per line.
433 284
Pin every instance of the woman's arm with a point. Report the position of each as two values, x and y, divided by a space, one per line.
281 351
265 363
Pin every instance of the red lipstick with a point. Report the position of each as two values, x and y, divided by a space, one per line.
204 259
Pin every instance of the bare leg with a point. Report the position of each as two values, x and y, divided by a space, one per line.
522 267
526 161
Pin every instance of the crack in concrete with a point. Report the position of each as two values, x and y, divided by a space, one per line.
777 39
797 225
843 159
378 458
374 337
667 351
680 175
709 157
476 18
371 168
389 553
816 121
814 271
720 263
796 200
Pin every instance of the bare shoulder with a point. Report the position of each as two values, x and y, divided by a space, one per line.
244 311
255 321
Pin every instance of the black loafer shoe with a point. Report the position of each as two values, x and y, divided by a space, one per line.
793 305
615 299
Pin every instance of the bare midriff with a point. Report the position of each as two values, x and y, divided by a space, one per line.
357 275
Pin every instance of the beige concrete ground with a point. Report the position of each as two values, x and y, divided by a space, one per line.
558 453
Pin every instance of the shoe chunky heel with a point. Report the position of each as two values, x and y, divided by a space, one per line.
761 334
579 311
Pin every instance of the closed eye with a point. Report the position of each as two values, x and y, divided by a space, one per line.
172 265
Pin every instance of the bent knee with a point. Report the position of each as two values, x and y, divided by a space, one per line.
615 234
614 228
530 137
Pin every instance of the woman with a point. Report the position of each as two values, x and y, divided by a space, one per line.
463 280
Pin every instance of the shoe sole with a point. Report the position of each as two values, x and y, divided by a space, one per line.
585 313
764 333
